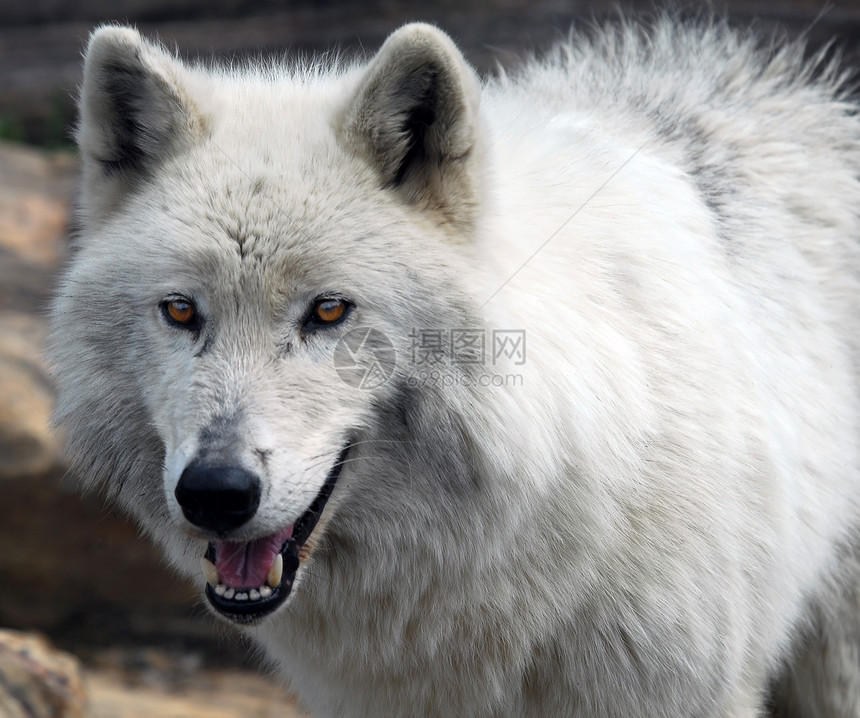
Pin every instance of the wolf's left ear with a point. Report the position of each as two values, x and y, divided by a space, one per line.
414 118
134 112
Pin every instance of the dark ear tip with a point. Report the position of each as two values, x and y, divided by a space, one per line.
420 33
110 40
420 42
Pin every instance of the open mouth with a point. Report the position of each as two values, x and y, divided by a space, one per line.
246 581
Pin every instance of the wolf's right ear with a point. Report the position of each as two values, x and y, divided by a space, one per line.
133 113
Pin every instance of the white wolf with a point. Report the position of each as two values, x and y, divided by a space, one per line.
655 518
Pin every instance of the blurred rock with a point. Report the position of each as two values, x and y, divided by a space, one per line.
158 687
37 681
27 445
35 188
34 198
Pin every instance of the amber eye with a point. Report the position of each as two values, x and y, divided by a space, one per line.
329 311
180 312
326 312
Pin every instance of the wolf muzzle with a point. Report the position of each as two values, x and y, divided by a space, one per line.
218 498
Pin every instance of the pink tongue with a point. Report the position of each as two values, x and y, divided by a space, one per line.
246 565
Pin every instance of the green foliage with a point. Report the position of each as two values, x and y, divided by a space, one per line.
59 123
51 129
11 129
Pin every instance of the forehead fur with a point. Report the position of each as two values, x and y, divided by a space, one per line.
272 232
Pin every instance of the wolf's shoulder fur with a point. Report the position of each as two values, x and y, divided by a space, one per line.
656 518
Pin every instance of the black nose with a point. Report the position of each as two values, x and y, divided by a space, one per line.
218 498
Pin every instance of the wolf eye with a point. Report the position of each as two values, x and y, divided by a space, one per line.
329 311
326 312
180 312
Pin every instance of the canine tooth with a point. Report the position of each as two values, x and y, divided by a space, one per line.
254 594
220 589
209 571
229 593
265 591
241 596
276 573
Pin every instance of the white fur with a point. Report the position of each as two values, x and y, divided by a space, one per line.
650 524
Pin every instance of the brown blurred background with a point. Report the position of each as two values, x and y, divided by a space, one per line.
70 568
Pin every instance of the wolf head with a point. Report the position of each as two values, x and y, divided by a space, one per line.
240 231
